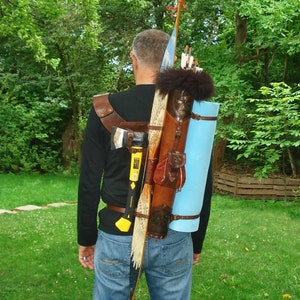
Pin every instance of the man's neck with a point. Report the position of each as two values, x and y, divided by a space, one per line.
146 77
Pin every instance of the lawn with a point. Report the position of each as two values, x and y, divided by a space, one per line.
18 190
252 248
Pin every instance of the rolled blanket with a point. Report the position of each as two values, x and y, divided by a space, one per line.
188 202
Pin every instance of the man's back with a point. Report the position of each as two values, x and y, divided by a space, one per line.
133 105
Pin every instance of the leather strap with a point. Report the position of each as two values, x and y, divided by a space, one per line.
116 208
135 126
172 217
109 117
105 112
152 127
179 217
202 118
122 211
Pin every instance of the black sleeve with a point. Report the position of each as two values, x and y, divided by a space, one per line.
91 169
199 235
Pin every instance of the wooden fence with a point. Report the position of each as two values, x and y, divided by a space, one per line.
247 187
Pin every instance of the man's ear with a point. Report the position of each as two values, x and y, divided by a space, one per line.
133 60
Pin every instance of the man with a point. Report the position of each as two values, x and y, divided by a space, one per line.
167 262
199 236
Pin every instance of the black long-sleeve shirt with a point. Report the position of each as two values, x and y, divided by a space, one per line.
99 162
199 236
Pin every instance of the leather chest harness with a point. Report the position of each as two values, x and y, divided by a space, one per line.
110 118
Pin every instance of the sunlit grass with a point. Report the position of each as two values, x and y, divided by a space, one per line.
251 251
18 190
39 256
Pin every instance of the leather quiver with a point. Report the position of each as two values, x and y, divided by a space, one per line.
169 174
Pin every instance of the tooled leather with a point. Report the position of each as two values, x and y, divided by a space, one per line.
105 112
109 117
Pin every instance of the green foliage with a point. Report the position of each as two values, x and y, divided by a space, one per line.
275 129
272 38
29 136
72 50
273 23
49 55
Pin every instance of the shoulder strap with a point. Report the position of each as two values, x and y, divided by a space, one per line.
109 117
105 112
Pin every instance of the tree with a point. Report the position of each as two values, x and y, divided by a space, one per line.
273 37
275 132
63 52
254 43
62 39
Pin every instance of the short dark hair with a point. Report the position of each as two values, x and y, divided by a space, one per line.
149 46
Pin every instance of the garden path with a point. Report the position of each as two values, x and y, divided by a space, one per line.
34 207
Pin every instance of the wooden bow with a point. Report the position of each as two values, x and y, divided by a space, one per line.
154 137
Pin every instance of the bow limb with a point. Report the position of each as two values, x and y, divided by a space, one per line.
179 8
154 136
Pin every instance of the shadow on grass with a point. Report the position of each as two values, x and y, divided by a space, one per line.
251 252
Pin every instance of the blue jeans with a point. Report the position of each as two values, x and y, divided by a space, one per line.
167 266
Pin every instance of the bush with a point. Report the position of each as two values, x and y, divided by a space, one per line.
30 136
274 136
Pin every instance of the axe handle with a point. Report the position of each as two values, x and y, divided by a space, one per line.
124 223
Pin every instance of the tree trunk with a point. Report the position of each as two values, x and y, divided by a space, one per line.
68 145
292 163
218 155
240 39
71 136
241 29
285 67
266 68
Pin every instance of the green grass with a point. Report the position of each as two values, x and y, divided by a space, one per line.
252 249
18 190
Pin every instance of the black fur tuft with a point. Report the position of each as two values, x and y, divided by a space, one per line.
198 84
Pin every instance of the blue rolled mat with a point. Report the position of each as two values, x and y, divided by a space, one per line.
198 149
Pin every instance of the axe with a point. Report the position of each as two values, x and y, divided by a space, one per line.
135 142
